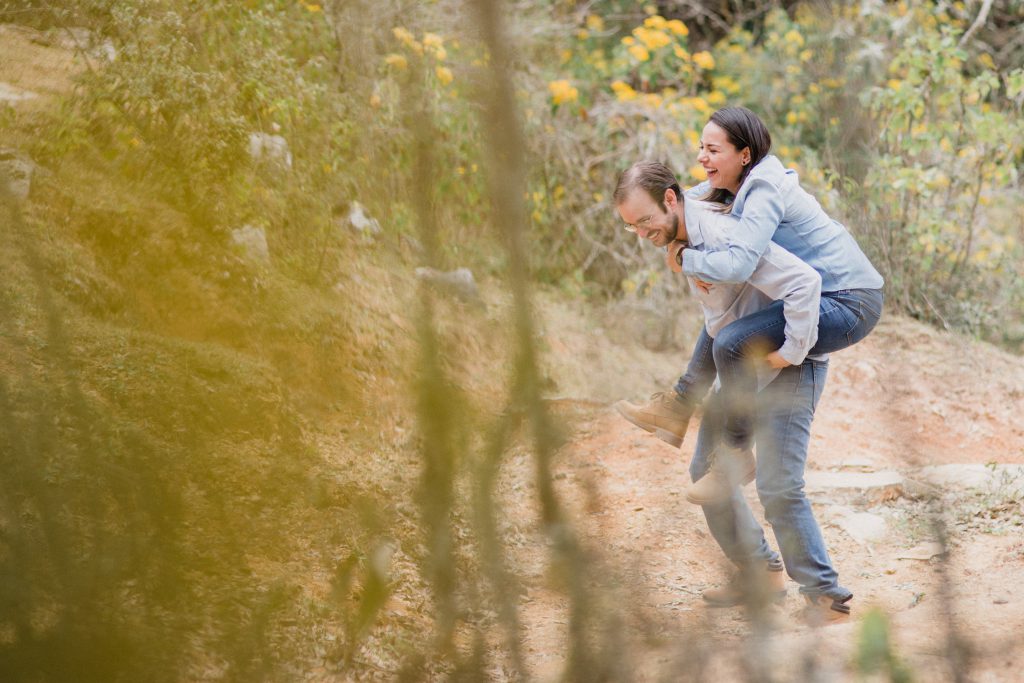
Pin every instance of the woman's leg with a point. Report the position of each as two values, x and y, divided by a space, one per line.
845 318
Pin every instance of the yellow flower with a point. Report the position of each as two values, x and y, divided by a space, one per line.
623 91
793 69
894 84
565 55
562 91
791 118
397 61
595 22
444 74
655 21
794 38
726 84
651 9
652 39
375 101
814 89
598 197
558 192
314 8
652 100
693 137
403 34
680 52
698 173
704 60
432 40
700 104
806 55
677 27
461 170
639 53
582 34
440 53
986 60
716 98
628 40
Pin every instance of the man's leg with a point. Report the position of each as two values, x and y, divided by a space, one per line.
731 523
785 410
700 372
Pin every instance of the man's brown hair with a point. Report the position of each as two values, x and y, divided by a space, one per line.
653 177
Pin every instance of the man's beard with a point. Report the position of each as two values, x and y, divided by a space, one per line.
675 228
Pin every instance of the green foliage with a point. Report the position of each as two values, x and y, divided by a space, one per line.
875 652
949 145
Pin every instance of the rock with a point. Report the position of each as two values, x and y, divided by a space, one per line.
362 223
858 464
863 527
829 481
1007 479
458 282
923 551
12 93
274 148
253 242
77 38
16 172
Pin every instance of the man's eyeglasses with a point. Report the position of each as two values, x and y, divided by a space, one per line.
642 223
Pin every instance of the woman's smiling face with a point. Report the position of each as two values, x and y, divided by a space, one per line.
720 158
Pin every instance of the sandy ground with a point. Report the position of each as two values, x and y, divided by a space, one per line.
906 397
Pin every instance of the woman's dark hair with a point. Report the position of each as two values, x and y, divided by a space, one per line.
743 128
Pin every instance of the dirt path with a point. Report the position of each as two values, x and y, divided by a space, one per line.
905 398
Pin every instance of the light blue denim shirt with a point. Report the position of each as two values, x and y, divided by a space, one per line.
772 207
777 276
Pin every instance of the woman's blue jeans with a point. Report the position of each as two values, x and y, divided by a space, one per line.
845 317
782 429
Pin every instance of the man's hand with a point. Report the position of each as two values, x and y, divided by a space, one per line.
674 255
776 361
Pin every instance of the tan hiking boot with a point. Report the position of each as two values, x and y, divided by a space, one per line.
822 610
664 416
755 587
730 468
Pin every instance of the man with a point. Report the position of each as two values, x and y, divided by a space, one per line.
650 203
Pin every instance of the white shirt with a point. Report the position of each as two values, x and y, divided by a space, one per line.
778 276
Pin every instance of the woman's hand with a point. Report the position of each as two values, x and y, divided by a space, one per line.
674 255
703 286
776 361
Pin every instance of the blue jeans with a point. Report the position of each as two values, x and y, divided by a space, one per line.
845 317
782 429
